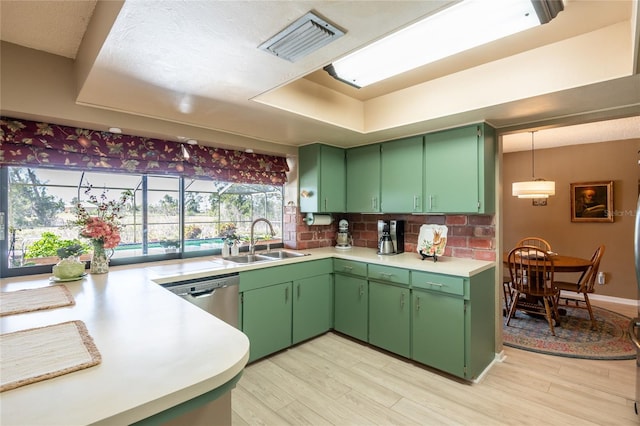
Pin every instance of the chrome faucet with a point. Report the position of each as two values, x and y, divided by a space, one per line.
252 243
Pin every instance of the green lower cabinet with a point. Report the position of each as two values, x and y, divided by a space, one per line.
351 306
312 307
267 319
443 321
438 331
389 318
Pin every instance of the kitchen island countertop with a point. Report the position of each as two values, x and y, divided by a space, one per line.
157 352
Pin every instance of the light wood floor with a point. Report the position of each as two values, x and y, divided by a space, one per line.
332 380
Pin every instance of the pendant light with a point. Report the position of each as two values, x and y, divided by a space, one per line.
535 188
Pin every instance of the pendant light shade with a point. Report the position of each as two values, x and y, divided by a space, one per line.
538 188
534 188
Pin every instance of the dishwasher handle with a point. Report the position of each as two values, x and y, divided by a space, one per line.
203 294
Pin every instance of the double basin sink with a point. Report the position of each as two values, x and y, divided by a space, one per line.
264 257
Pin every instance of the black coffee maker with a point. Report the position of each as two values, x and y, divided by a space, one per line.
390 236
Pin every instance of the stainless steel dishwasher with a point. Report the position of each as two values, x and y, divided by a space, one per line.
217 295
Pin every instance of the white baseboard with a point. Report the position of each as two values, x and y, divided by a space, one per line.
611 299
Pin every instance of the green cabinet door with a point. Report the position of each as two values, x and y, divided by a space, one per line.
402 181
363 179
459 172
438 332
312 307
322 179
267 319
351 305
389 318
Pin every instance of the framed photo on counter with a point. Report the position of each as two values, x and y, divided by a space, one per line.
592 201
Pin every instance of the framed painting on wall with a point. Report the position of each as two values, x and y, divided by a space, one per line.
592 201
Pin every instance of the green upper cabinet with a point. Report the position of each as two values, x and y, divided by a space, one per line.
443 172
402 170
322 179
363 179
459 170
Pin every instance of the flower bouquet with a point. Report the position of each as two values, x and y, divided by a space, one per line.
101 225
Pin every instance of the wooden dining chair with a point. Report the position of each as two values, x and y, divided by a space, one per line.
536 242
531 275
577 293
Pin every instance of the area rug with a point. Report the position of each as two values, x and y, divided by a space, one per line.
34 299
41 353
574 337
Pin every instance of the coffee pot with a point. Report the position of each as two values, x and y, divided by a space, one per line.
385 246
390 236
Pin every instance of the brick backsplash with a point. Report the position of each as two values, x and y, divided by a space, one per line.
470 236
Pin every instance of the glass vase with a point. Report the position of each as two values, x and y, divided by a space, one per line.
99 259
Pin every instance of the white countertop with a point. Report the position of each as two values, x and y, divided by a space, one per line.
157 349
188 269
410 260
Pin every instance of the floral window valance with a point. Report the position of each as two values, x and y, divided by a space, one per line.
28 143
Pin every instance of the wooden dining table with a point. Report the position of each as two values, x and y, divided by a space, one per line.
561 263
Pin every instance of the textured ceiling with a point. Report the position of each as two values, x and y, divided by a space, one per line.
196 63
52 26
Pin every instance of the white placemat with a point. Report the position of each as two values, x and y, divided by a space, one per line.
41 353
34 299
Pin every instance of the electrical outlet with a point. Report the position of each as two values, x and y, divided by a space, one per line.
601 278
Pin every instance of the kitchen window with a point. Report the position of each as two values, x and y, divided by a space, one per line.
167 217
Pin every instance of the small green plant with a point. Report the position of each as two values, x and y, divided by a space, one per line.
48 245
169 243
192 232
73 250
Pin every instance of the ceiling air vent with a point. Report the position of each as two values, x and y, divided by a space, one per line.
304 36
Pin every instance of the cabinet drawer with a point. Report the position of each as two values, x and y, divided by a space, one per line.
437 282
350 267
389 274
270 275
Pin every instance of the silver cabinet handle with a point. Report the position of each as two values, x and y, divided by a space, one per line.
417 303
633 324
325 204
361 289
386 275
430 202
286 294
347 268
298 291
416 202
402 300
436 284
374 203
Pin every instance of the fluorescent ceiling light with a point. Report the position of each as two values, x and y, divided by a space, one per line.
463 26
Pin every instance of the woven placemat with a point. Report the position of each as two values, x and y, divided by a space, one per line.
41 353
34 299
